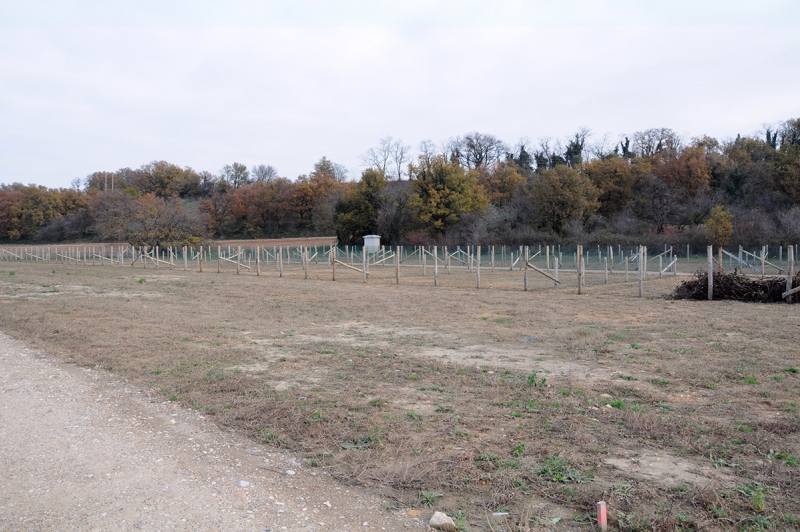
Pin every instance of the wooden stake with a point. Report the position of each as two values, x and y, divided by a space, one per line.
397 265
602 517
478 265
710 252
525 275
333 262
364 262
578 266
436 267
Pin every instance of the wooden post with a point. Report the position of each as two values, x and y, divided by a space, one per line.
305 262
478 265
605 269
280 261
555 267
238 259
447 259
258 261
789 271
424 256
397 265
219 259
763 259
642 264
583 268
578 266
171 258
364 263
644 270
661 264
492 258
436 267
626 268
333 262
200 259
710 252
525 274
185 259
158 256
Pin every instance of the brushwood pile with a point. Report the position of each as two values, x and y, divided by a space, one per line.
736 287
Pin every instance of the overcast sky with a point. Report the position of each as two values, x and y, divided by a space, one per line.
87 86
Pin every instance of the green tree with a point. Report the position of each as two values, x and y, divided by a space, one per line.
444 192
357 210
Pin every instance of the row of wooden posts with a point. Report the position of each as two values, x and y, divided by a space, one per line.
467 259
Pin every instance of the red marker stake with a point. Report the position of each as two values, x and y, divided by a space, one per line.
602 518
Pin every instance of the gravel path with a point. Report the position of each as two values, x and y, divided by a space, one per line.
80 450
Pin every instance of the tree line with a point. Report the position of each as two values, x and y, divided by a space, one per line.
651 187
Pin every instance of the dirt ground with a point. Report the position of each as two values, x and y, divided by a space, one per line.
503 408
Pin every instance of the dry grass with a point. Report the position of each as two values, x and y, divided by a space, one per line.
679 414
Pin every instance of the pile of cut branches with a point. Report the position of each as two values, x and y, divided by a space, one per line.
736 287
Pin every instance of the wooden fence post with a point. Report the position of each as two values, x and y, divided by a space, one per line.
478 265
305 262
397 265
280 261
525 274
710 252
579 266
436 266
555 267
258 261
789 271
364 263
333 262
200 259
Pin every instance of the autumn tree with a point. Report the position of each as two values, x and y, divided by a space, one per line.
500 182
145 221
719 228
444 192
10 196
561 195
687 171
105 181
160 178
38 205
235 175
613 179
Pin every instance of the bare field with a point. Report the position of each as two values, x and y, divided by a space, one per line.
679 414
